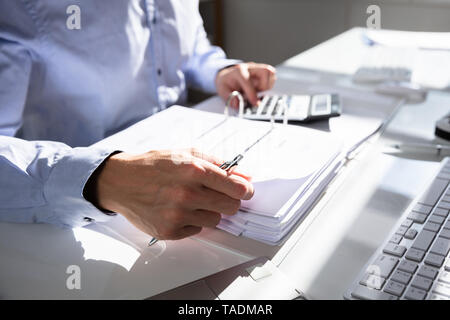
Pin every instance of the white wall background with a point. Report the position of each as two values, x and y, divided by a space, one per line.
274 30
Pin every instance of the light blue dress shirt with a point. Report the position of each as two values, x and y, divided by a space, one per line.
63 89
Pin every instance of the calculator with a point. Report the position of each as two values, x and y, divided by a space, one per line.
300 108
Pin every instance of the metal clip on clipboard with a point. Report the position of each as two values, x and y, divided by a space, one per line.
228 165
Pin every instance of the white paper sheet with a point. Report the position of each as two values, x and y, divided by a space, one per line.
410 39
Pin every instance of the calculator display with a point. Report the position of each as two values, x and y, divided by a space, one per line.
321 105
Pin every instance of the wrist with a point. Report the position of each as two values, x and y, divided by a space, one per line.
91 191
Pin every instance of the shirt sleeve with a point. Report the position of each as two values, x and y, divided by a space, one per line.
206 60
40 181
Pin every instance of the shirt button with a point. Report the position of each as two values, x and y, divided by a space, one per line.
159 71
87 219
154 20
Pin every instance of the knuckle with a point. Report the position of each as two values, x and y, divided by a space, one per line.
194 151
183 194
241 67
194 170
177 217
231 207
167 234
167 230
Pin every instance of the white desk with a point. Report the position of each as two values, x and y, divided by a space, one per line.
325 252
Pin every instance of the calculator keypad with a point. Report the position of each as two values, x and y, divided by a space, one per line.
297 108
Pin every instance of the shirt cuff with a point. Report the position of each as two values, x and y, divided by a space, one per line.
64 188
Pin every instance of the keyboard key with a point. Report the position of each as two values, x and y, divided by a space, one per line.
407 266
372 281
394 249
447 224
443 175
444 205
434 260
447 265
396 238
428 272
445 277
441 246
435 296
436 219
446 198
411 234
417 217
424 240
415 294
441 212
432 195
402 230
365 293
382 266
445 233
422 283
415 254
442 289
401 276
394 288
431 226
422 208
407 223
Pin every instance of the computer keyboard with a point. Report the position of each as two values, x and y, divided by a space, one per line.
382 74
414 261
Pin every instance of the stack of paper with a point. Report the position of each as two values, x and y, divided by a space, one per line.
290 167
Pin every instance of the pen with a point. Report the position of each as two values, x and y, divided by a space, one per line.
152 242
228 165
422 147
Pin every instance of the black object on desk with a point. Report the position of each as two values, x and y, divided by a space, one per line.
443 128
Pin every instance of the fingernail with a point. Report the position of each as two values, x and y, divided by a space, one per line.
250 192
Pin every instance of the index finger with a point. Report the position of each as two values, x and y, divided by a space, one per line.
218 162
265 75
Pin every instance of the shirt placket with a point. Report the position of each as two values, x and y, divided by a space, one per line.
155 54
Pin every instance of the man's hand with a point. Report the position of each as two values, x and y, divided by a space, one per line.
170 195
248 78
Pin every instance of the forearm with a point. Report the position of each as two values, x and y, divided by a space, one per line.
43 182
